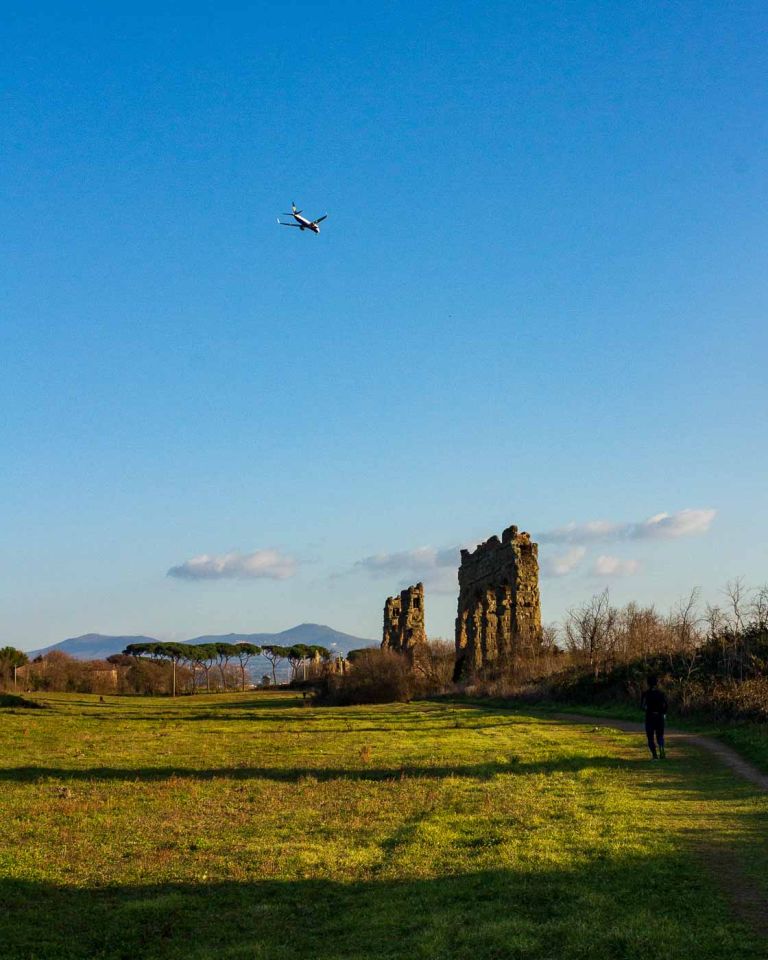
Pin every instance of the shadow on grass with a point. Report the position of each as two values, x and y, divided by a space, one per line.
19 703
478 771
163 708
307 723
604 910
285 700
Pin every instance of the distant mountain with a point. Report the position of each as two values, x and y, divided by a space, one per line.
97 646
308 633
91 646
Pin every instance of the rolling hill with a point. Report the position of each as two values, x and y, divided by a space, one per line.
99 646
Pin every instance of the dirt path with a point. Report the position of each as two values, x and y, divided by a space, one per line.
747 901
725 754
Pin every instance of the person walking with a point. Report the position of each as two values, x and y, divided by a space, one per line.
654 703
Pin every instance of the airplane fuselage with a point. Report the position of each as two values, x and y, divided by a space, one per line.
306 224
301 222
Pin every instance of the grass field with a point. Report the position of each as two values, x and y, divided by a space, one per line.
253 827
750 739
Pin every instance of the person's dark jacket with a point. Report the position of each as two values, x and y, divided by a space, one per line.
653 701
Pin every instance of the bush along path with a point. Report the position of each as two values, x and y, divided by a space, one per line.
727 864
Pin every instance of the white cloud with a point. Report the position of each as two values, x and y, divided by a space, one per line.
669 526
561 564
436 569
608 566
444 580
661 526
261 564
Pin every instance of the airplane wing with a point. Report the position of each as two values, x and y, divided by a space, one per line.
287 224
320 219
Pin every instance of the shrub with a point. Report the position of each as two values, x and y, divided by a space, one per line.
433 666
377 676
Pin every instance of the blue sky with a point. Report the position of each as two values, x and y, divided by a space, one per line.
539 298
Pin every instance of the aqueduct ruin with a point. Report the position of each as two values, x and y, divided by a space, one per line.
499 612
404 621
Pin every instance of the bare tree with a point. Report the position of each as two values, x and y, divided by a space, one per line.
738 602
758 608
716 621
550 638
684 621
641 631
590 631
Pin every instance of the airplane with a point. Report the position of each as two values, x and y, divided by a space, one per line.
301 222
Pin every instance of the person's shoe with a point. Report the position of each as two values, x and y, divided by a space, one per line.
662 753
654 757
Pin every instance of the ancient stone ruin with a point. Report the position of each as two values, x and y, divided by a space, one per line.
404 621
499 615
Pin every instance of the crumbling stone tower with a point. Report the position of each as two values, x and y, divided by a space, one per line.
404 621
499 615
391 637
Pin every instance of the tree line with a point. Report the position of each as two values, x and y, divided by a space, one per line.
161 668
712 661
201 659
729 636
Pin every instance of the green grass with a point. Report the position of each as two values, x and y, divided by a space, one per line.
252 827
749 739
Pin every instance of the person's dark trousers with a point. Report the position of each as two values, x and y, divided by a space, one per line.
654 730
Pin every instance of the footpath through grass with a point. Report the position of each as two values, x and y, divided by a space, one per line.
747 738
252 827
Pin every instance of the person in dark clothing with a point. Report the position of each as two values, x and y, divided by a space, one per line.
654 703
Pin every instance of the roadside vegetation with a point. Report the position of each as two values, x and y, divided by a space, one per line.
714 663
